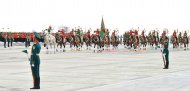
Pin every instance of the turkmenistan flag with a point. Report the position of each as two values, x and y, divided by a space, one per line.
102 29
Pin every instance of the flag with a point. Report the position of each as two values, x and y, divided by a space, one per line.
25 51
102 29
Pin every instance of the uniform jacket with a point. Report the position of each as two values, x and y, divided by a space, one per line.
35 58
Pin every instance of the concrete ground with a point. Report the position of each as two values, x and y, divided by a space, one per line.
113 70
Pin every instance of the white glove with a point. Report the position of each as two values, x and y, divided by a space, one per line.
32 65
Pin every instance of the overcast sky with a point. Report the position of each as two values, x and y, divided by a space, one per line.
25 15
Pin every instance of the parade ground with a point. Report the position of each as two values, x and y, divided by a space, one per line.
110 70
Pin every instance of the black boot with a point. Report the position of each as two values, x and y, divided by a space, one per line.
36 82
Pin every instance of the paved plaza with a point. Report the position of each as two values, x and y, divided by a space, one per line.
111 70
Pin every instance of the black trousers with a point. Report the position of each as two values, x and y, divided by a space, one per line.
167 60
8 43
36 75
5 43
28 42
11 42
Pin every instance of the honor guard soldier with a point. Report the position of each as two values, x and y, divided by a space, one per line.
185 34
49 29
97 32
166 52
142 34
35 61
9 38
174 33
136 34
4 35
88 34
12 39
72 34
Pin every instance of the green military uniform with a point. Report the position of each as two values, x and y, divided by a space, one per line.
35 62
49 29
8 38
5 39
78 31
166 52
12 39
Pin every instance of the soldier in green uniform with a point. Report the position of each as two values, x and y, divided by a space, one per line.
166 52
49 29
12 39
9 38
35 61
5 39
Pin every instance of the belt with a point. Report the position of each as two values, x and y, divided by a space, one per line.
36 54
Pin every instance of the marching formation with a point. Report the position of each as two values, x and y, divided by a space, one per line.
132 39
76 38
101 39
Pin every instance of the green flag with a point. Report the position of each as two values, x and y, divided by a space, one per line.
102 29
25 51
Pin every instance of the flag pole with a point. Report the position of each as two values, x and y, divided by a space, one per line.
25 51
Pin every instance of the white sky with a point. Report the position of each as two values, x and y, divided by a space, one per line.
26 15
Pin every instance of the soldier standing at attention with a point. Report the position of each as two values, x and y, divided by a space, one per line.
12 39
166 52
4 35
9 38
35 61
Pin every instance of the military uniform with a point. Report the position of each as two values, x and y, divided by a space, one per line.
12 39
49 29
35 62
166 53
9 39
5 39
27 40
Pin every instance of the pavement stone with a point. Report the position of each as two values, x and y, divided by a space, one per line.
115 70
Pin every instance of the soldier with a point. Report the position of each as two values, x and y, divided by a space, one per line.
131 32
149 34
97 32
62 31
29 39
113 33
4 35
9 38
162 37
136 34
88 33
49 29
12 39
35 61
26 42
142 34
179 36
174 33
185 34
72 34
166 52
78 32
